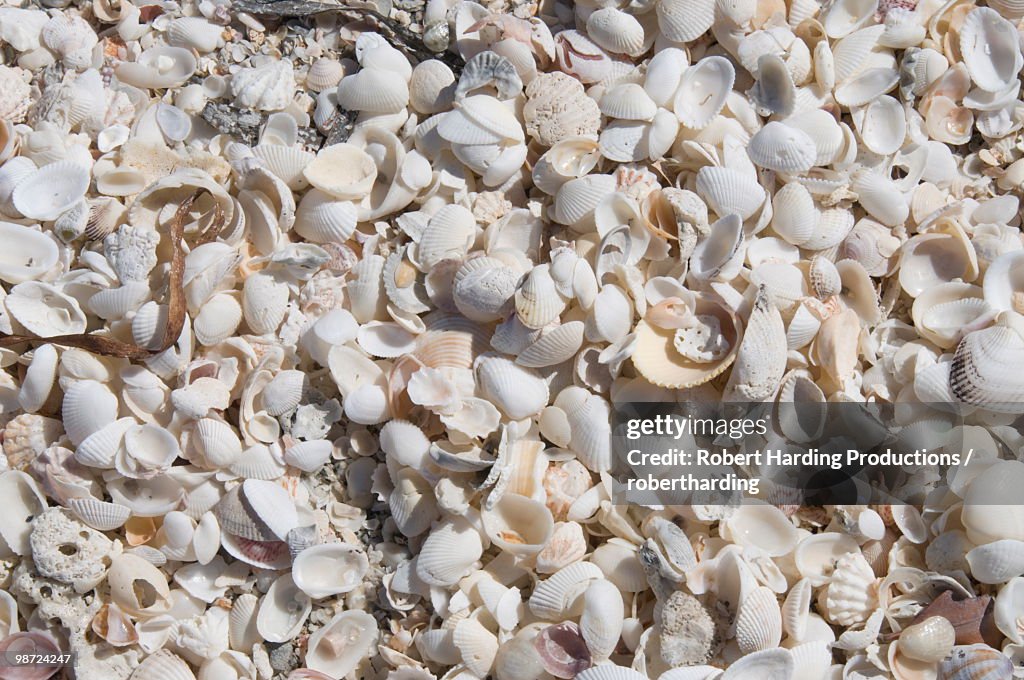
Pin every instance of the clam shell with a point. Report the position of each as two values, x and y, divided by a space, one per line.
374 91
779 147
976 662
52 189
449 552
283 610
990 49
703 89
517 390
683 21
343 171
759 623
329 569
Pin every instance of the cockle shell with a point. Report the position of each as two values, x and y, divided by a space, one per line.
51 190
979 662
702 91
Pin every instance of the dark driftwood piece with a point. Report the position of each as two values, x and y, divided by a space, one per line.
175 304
410 43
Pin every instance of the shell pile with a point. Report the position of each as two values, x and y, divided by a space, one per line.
314 317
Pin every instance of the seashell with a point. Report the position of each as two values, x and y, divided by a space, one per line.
997 562
195 33
283 393
337 647
324 74
728 191
264 302
489 69
52 189
480 119
374 91
759 623
29 254
449 234
978 375
761 359
929 641
448 553
516 390
795 214
283 610
518 524
702 91
882 125
484 289
779 147
979 662
681 21
628 101
990 50
719 257
616 31
137 587
343 171
866 86
159 67
477 646
270 87
218 319
286 162
329 569
556 595
39 379
164 664
553 347
850 596
309 456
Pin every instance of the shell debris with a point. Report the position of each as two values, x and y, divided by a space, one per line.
313 318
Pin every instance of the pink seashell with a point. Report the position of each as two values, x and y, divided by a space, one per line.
562 650
27 643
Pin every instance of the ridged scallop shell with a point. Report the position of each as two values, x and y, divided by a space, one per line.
616 31
449 234
344 171
554 346
484 289
628 101
981 375
98 514
264 302
779 147
729 191
195 33
324 73
759 622
218 319
287 162
685 20
449 553
554 597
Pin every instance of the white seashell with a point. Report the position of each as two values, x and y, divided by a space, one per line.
866 86
432 87
728 191
337 647
990 49
218 319
320 218
286 162
518 524
782 148
796 608
51 190
930 641
622 141
702 91
28 254
759 622
88 407
602 618
324 74
484 289
846 16
477 646
850 597
159 67
480 119
554 597
794 213
25 501
283 610
137 587
683 21
518 391
343 171
997 562
882 125
769 664
164 664
628 101
264 302
553 347
374 91
196 33
329 569
719 256
616 31
405 443
449 553
449 234
309 456
270 87
39 379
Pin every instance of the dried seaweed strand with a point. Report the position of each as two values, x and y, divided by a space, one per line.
98 344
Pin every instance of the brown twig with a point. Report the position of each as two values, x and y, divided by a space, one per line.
176 307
